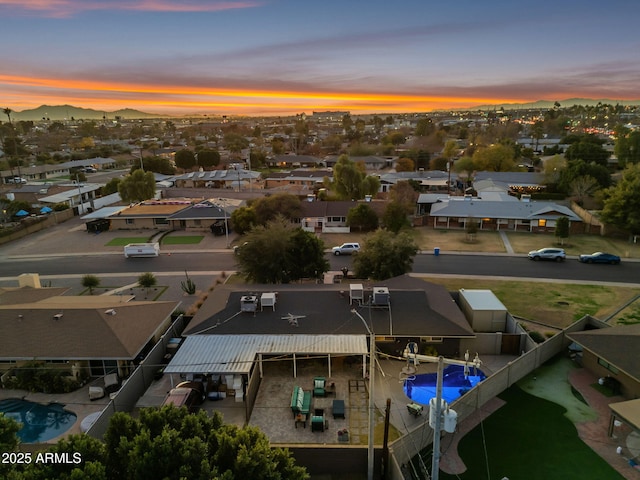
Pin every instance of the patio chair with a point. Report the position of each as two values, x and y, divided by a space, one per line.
319 384
318 422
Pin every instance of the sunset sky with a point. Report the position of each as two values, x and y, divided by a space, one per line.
272 57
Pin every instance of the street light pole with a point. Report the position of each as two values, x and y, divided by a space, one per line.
372 349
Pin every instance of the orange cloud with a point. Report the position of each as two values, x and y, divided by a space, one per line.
67 8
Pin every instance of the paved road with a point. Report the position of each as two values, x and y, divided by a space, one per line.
223 260
68 250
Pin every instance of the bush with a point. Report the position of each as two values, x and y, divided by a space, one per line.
39 377
536 336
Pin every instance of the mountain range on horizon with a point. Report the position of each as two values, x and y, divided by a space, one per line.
68 112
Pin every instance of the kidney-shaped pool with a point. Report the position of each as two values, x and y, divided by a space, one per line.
39 422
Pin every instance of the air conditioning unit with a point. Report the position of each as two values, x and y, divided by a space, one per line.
249 303
381 296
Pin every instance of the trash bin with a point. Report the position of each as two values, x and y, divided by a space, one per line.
436 251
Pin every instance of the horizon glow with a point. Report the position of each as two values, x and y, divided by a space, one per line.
278 58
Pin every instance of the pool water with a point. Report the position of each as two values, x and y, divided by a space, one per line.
422 388
39 422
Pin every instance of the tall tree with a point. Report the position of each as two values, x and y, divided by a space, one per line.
208 158
362 217
395 217
185 159
496 158
385 255
280 253
137 187
562 229
622 202
167 443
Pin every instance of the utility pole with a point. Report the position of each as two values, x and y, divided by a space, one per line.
385 443
410 354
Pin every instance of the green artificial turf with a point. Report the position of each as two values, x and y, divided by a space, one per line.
528 438
122 241
182 240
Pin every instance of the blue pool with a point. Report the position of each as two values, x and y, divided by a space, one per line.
421 388
39 422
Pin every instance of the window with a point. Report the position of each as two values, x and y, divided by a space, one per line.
197 222
608 366
160 221
130 221
542 222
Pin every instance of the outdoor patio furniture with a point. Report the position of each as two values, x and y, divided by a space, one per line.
318 387
415 409
96 393
300 401
330 390
338 409
302 419
318 422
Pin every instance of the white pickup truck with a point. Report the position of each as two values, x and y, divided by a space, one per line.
142 250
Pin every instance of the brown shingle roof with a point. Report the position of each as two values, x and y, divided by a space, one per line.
32 331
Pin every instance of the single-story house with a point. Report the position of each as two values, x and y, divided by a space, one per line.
519 182
232 178
611 354
430 181
295 161
309 180
371 162
325 217
212 214
79 197
517 215
239 327
90 335
150 214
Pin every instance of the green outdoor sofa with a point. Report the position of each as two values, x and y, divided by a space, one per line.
300 401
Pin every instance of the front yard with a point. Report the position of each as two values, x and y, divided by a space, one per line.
428 238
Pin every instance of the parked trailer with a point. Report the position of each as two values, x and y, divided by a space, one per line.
141 250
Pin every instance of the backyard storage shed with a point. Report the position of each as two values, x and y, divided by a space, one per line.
483 310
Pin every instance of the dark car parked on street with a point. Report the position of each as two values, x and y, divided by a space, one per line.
600 257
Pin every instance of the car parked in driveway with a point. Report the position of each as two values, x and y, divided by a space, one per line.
346 249
556 254
600 257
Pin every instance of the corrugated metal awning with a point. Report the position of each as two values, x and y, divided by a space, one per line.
236 353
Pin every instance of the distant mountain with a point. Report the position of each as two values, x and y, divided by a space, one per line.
67 112
546 104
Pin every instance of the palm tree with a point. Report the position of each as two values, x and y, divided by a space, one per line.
7 111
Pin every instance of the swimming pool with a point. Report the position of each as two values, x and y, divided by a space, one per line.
421 388
39 422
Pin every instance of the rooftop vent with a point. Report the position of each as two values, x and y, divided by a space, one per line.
111 311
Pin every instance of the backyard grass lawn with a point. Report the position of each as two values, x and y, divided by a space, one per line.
528 438
122 241
555 304
182 240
